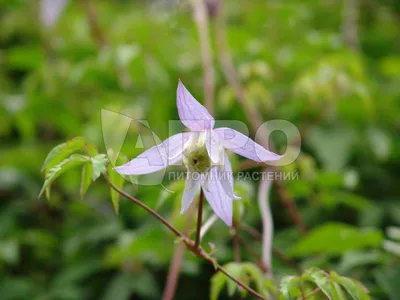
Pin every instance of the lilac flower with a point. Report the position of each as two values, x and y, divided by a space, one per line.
203 153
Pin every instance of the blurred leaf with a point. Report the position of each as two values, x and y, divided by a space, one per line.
389 281
121 287
353 287
9 251
60 152
380 143
118 181
65 165
321 279
332 146
335 239
289 287
217 283
235 270
86 179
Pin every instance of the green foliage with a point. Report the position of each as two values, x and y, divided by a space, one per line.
294 63
247 273
336 239
334 286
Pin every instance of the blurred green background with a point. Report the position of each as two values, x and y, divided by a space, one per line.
307 62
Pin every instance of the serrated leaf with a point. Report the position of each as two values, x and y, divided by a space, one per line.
290 288
118 181
66 164
257 276
335 239
86 179
60 152
356 290
234 269
217 283
338 293
99 163
321 279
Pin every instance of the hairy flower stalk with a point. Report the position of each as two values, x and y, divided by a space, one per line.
202 151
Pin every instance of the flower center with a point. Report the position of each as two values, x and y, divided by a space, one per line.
195 155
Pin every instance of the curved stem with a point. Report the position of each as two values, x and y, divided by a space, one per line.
199 219
148 209
173 273
190 245
264 192
207 225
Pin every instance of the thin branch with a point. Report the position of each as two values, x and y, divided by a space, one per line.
199 218
250 290
257 235
207 225
312 293
253 253
190 245
236 246
201 19
173 273
291 207
264 191
251 111
95 28
148 209
231 76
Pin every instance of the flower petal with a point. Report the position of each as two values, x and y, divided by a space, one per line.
226 178
192 114
157 157
191 187
214 147
243 145
220 202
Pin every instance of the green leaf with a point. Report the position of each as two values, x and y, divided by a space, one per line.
99 163
338 293
66 164
60 152
118 181
335 239
86 179
332 145
321 279
235 270
388 279
356 290
217 283
290 288
262 282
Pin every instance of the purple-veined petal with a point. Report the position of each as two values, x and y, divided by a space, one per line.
192 114
191 188
157 157
214 147
220 202
226 178
243 145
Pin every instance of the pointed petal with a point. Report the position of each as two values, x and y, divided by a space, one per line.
157 157
220 202
243 145
192 114
214 147
226 178
191 187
